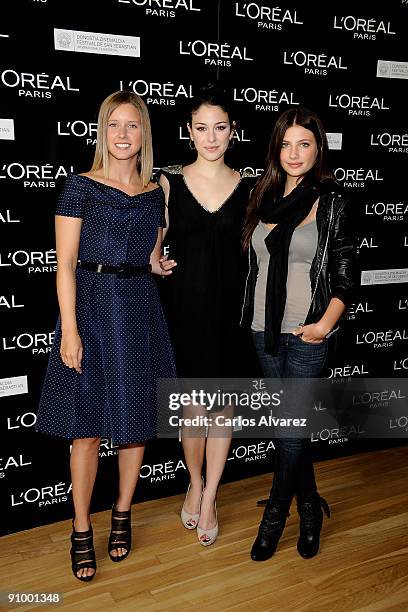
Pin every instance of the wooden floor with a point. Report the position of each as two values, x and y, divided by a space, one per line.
362 564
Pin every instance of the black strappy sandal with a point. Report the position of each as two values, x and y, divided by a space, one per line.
121 534
82 553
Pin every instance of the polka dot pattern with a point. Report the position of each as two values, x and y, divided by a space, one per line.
120 321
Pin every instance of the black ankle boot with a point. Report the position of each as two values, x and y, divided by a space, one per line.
270 531
311 520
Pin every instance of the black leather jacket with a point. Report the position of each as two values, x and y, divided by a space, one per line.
331 272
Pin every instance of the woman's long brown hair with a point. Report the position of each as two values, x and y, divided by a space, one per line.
274 176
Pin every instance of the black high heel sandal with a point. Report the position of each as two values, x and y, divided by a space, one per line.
121 534
82 553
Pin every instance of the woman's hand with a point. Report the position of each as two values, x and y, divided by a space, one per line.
166 265
314 333
71 350
161 265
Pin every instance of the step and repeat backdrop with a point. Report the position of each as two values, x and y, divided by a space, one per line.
60 59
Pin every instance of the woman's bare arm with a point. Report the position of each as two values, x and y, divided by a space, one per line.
67 235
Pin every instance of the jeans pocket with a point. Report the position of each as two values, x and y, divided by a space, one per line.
311 343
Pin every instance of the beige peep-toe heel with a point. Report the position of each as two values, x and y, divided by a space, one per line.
210 535
190 520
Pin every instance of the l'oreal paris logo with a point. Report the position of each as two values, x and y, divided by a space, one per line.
34 175
43 497
39 343
381 339
314 63
361 106
163 8
215 53
36 85
162 94
252 452
159 472
80 129
267 17
362 28
265 99
348 370
394 143
357 177
388 211
336 435
377 397
32 261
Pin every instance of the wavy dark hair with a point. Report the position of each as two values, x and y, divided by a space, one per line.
274 177
211 95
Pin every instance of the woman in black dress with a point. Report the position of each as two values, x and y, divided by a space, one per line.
111 343
206 208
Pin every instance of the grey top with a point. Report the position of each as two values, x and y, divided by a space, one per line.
302 250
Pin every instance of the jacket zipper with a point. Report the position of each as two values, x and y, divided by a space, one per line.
324 253
321 265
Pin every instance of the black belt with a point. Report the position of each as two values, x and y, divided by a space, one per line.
123 271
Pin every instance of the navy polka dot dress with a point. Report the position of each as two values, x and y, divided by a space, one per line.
120 321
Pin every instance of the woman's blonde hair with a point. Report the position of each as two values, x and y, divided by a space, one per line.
145 156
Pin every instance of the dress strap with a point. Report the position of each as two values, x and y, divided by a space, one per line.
176 169
247 174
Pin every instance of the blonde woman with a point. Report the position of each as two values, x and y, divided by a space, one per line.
111 343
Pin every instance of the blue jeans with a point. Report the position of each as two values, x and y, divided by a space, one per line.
293 473
295 359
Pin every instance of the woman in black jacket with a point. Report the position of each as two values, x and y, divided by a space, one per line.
298 285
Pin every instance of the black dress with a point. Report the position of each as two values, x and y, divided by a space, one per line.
203 296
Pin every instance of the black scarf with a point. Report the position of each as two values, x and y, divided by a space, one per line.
288 212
